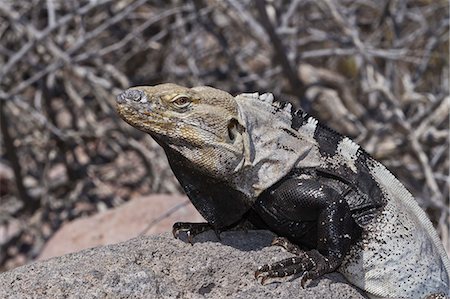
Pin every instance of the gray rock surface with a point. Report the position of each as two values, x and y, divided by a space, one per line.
161 267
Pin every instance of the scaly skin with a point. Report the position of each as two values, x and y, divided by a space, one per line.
248 158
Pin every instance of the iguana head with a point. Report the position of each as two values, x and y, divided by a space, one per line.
200 123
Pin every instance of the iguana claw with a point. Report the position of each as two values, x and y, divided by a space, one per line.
191 229
310 264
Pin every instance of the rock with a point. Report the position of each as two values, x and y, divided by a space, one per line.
160 266
156 212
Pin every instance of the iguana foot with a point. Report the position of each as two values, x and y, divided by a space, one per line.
192 229
310 264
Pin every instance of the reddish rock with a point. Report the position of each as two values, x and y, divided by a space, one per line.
150 214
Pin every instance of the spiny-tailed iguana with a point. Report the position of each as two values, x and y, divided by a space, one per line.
252 158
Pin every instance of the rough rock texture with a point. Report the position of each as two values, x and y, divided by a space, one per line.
162 267
155 212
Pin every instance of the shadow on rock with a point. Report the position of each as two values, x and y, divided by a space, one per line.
251 240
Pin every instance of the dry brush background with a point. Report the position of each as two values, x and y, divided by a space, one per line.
374 70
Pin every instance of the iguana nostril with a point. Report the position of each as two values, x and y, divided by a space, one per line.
120 99
131 95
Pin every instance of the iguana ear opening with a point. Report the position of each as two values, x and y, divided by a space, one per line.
237 135
235 129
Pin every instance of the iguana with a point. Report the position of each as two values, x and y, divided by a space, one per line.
250 158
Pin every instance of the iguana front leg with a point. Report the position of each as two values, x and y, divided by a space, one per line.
311 213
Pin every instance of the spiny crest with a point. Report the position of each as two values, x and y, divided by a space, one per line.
279 106
298 118
268 98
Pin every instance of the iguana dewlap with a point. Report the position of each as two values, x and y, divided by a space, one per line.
248 158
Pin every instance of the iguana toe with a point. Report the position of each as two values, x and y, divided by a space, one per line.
311 264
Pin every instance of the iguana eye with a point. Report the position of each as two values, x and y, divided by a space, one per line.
181 101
